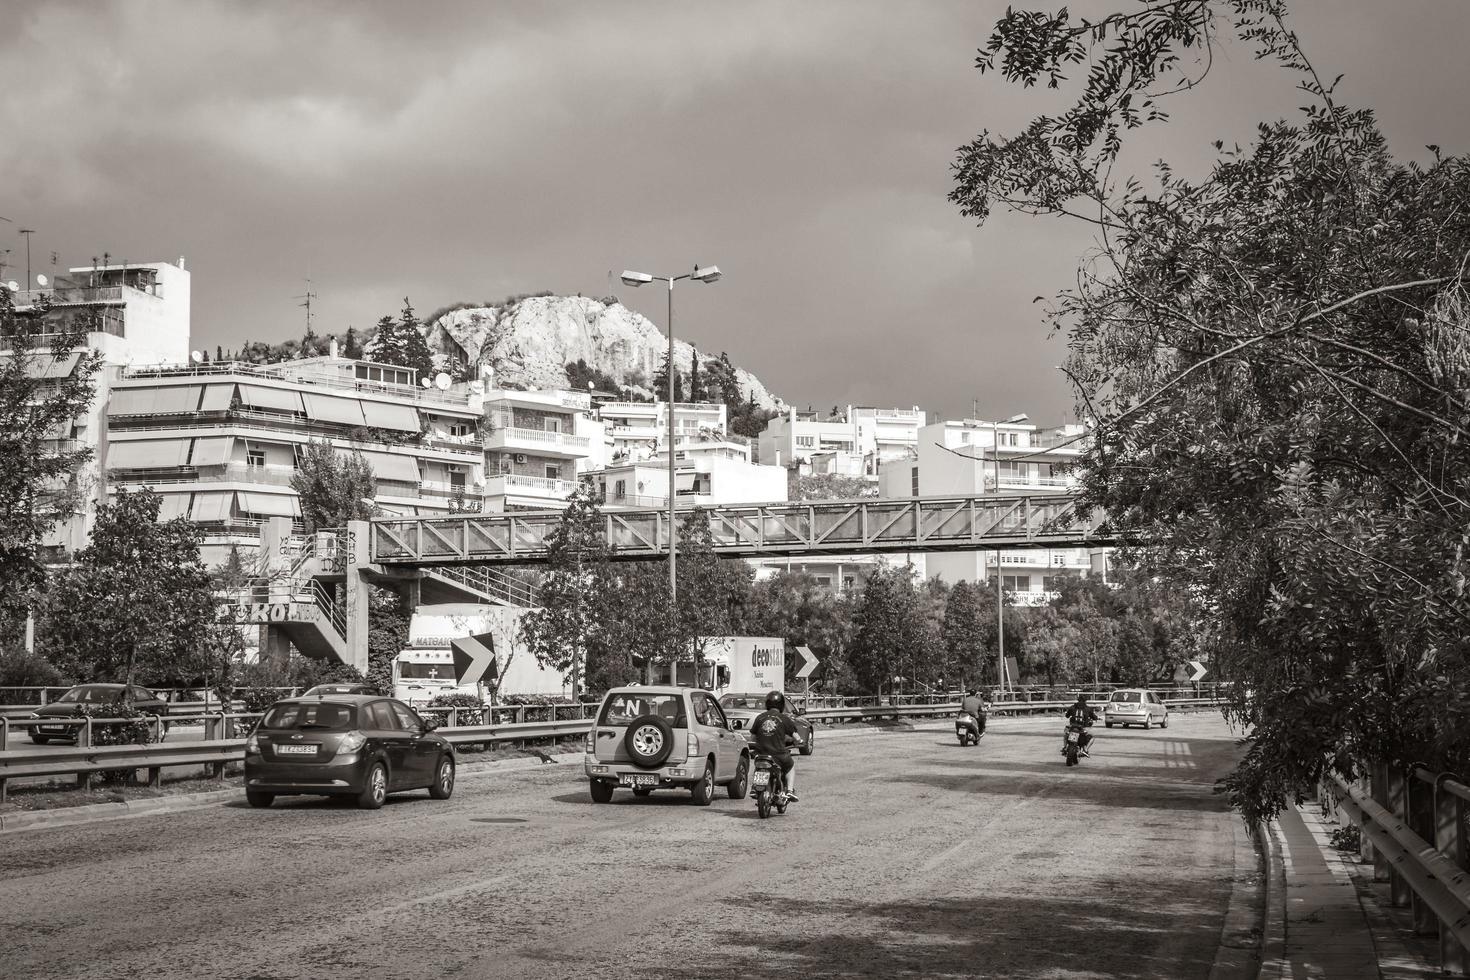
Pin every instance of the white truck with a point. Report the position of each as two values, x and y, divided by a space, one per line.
747 664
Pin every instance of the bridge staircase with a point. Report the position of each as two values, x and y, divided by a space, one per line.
473 583
302 608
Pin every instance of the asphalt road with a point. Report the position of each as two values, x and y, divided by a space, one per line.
908 856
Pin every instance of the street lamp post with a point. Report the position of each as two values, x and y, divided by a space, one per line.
706 274
28 232
1000 599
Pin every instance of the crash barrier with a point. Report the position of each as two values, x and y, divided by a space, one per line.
1412 828
224 738
216 726
19 702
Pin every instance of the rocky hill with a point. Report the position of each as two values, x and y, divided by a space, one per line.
530 341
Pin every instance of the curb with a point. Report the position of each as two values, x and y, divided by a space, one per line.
71 816
1239 954
1273 935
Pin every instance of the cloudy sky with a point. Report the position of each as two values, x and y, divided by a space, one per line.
465 151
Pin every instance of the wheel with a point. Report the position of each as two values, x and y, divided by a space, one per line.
649 740
763 801
375 789
443 785
704 790
40 740
1165 722
1148 722
810 745
602 792
258 799
964 739
642 790
740 785
780 802
1071 755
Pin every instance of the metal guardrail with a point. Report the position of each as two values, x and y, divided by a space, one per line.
1413 829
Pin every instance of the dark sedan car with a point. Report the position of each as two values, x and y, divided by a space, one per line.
69 706
355 745
742 709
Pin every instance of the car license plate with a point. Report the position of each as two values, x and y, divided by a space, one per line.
296 750
58 729
760 778
638 779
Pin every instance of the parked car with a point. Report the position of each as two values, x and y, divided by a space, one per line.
357 745
648 738
70 703
741 709
340 689
1135 706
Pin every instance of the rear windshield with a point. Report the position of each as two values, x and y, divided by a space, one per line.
315 715
756 701
1129 697
90 695
621 709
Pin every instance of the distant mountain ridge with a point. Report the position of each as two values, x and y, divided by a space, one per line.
528 342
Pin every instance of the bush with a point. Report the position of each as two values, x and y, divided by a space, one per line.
135 728
456 700
1347 838
21 669
534 700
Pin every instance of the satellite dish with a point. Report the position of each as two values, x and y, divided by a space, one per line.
441 380
13 286
41 279
195 357
426 381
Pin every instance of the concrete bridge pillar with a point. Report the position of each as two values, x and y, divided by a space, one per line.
357 593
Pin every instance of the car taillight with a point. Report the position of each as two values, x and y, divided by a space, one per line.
351 742
589 743
252 746
692 747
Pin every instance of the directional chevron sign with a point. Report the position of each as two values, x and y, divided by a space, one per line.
474 658
809 662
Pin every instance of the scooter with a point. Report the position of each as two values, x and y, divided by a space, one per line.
1072 740
767 785
967 729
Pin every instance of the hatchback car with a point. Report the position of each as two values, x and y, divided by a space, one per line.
355 745
69 705
648 738
1135 706
742 709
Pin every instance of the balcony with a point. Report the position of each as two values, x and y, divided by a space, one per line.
519 485
578 401
539 442
303 375
441 488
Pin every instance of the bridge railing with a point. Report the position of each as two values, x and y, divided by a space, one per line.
1413 829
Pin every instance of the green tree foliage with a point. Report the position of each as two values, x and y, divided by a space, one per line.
581 376
388 622
38 476
829 486
1276 356
136 603
560 633
886 631
660 382
713 592
401 342
334 487
968 634
794 605
697 391
721 382
635 631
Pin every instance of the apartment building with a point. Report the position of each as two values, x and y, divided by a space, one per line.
637 430
707 471
851 442
973 457
537 443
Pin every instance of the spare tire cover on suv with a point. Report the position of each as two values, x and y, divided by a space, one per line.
649 740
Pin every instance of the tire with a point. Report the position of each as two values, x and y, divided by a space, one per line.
40 739
810 745
443 786
374 788
642 790
1071 754
738 787
648 741
602 792
258 799
702 793
1148 722
1165 722
964 739
763 801
780 802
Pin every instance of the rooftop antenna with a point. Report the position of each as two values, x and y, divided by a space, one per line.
306 299
28 232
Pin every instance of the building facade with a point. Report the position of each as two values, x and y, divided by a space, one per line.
854 442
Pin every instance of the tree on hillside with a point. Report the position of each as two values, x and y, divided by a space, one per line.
1276 356
401 342
560 632
721 382
38 485
581 376
696 383
334 487
351 344
145 598
660 382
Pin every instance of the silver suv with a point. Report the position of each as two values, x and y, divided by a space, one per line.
648 738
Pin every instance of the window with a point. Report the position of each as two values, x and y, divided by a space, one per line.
806 442
553 472
460 429
407 720
914 481
620 489
1016 583
551 423
456 480
380 717
716 716
255 457
701 709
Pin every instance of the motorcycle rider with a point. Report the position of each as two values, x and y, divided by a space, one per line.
1082 715
974 704
773 732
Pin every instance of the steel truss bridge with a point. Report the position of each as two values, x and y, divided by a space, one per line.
827 527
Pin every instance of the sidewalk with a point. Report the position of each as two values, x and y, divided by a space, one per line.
1326 917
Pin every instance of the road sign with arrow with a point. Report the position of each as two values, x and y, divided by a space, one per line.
474 658
809 662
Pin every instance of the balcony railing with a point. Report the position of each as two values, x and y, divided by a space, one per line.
541 437
264 421
512 483
299 376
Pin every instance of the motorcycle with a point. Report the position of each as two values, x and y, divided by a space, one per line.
1072 741
967 729
767 786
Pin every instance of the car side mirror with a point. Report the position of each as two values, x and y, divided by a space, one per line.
429 725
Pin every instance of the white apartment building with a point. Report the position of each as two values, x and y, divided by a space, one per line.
973 457
707 472
854 442
537 444
637 430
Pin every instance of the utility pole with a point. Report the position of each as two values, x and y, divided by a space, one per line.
28 232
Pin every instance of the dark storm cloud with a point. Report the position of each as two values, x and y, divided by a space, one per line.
463 152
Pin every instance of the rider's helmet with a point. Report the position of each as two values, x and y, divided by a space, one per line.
775 701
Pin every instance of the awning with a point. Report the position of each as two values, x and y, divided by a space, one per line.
214 451
255 396
325 408
386 415
387 466
43 365
173 505
270 504
179 398
217 398
147 454
212 506
132 401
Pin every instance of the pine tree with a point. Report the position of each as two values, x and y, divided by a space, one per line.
416 353
219 353
351 344
660 382
696 384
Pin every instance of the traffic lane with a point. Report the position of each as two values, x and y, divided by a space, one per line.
908 856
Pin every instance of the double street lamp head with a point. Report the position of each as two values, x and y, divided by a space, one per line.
707 274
